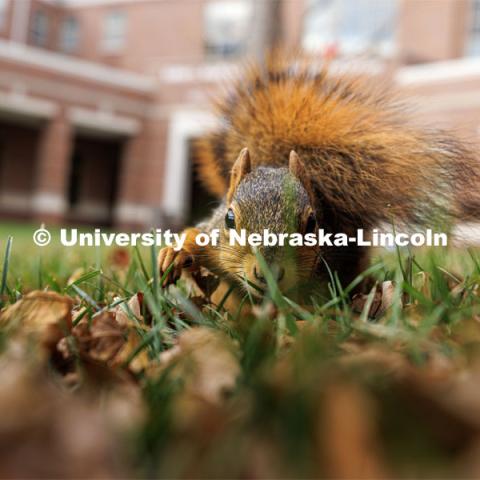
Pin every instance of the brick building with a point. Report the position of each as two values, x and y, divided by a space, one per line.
99 99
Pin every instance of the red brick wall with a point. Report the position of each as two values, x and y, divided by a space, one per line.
432 30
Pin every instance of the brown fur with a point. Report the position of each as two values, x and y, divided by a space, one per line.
366 159
337 148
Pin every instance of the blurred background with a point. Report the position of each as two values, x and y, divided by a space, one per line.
101 99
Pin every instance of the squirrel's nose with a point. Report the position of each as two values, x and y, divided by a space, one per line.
278 273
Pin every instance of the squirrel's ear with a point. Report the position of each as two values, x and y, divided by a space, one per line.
240 168
298 170
296 167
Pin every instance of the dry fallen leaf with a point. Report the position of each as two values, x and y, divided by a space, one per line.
125 315
110 339
207 362
103 340
120 258
467 331
383 299
347 432
47 314
375 358
421 282
49 433
360 300
206 281
388 297
77 274
140 360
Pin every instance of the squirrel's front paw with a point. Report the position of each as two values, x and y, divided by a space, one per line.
180 259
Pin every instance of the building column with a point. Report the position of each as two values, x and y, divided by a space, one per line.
130 210
140 181
52 170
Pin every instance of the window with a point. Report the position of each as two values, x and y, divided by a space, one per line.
69 34
115 24
351 26
39 30
473 44
226 27
3 14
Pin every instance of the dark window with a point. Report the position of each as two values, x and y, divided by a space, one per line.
69 35
226 27
39 30
114 31
473 44
350 27
3 13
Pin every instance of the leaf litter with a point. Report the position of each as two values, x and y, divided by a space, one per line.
164 383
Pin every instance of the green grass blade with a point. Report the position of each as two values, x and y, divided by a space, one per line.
6 263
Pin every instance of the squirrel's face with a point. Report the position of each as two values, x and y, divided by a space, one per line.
273 199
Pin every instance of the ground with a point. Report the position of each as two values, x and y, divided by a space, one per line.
106 374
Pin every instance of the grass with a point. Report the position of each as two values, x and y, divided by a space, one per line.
280 392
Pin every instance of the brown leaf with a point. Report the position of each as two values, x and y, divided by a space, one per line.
206 281
422 281
47 314
123 314
360 300
139 362
47 433
120 257
106 337
207 361
383 299
388 297
75 275
375 357
348 434
107 342
467 331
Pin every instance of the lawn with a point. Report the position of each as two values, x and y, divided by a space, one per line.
104 373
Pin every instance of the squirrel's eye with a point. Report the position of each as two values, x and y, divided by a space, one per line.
230 219
311 224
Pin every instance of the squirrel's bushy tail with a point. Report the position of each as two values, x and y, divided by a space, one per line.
368 160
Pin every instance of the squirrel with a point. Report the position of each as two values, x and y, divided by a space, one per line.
353 159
